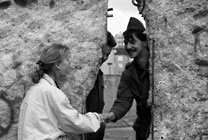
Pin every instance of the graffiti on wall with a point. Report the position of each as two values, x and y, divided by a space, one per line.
23 3
6 122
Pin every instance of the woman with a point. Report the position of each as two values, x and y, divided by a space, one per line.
46 112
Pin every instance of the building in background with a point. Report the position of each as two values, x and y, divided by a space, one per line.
117 59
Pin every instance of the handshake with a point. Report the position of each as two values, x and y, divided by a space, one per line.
107 117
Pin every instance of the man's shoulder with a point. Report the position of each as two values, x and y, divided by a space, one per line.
128 65
128 69
99 75
100 72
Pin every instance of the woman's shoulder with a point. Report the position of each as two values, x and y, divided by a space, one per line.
51 90
41 89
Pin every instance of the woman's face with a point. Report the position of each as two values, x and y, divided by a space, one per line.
63 68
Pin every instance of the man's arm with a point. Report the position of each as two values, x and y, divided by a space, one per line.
124 100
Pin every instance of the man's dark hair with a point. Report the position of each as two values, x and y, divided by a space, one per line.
110 40
129 35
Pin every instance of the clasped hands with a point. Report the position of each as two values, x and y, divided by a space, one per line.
107 117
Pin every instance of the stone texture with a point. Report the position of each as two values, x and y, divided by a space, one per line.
180 31
26 26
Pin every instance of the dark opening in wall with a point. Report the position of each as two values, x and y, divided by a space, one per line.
24 3
5 4
52 4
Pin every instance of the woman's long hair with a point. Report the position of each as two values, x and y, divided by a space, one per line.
49 56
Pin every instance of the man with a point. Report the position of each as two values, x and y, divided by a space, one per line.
134 82
95 99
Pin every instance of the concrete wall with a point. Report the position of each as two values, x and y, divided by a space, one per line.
180 31
26 26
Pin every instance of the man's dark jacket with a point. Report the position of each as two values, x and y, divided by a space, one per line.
95 103
134 84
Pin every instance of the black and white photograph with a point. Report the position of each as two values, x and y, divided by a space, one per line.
103 69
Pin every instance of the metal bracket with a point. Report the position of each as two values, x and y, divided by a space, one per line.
140 4
110 15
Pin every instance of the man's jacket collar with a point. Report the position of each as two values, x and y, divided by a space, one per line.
134 71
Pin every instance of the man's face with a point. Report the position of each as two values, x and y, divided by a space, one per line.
106 50
134 46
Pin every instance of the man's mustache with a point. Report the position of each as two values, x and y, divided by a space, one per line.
131 50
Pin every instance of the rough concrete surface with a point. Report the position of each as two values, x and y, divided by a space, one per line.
26 26
180 31
178 27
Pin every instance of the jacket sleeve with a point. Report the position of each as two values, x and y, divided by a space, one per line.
124 99
69 119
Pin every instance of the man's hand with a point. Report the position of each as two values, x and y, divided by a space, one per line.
110 117
107 117
102 117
